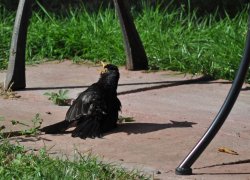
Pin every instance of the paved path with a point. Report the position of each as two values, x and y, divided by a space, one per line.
170 117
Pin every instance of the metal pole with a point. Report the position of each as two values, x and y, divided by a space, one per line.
16 69
135 53
185 167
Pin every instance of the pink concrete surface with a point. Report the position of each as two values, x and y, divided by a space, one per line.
169 120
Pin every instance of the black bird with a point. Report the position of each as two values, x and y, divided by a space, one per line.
95 111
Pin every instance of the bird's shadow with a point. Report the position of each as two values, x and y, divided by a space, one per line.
129 128
142 128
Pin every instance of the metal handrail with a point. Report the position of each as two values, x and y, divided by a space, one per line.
185 167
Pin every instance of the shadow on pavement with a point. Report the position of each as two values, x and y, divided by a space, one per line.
225 164
158 85
129 128
216 174
141 128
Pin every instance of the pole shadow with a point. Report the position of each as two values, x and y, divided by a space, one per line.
226 164
246 161
157 85
245 89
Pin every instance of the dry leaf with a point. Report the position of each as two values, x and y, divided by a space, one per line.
227 150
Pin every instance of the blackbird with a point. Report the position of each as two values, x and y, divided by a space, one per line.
95 111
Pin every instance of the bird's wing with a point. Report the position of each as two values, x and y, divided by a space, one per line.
88 103
90 127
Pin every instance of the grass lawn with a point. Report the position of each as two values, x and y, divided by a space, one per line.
18 163
173 38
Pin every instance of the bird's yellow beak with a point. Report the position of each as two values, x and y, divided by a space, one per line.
103 64
103 70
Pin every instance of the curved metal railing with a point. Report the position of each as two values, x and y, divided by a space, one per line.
185 167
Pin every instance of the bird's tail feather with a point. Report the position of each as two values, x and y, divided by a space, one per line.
57 127
87 129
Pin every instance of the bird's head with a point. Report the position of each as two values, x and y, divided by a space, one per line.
109 75
107 68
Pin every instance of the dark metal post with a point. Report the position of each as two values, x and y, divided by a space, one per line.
16 69
185 167
136 55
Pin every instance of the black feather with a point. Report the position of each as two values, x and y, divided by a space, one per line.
57 128
95 111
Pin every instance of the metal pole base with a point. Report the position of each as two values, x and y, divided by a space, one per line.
183 171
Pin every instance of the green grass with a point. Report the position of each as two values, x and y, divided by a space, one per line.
191 44
18 163
6 23
59 98
80 35
173 39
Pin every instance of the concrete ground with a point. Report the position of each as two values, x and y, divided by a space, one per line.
169 115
